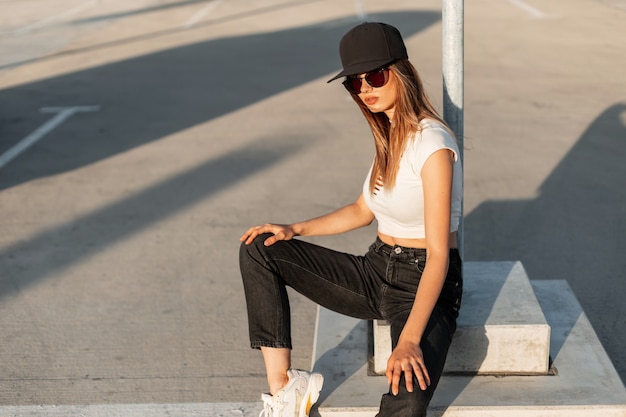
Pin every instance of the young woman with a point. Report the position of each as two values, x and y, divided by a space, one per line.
412 274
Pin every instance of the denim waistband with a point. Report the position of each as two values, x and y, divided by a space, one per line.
402 252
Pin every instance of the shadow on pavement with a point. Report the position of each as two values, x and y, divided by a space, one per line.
150 97
573 230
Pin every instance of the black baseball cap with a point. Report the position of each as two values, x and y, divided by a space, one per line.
369 46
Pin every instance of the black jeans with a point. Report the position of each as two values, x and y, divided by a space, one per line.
379 285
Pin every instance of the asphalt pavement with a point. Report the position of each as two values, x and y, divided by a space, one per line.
138 140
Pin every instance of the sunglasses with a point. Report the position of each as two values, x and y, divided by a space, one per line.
376 79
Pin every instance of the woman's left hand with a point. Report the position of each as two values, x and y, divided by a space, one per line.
407 357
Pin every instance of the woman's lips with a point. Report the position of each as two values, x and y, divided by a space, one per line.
370 100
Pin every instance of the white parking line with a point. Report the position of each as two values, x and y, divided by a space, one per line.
62 114
136 410
54 18
528 8
201 13
360 10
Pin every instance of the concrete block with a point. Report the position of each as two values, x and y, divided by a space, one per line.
501 328
381 332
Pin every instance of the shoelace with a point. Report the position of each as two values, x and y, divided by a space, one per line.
268 406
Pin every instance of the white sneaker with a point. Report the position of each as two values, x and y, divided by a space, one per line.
268 406
296 398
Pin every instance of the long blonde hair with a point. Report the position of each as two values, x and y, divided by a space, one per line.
411 107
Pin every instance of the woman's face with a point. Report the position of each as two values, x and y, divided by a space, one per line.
379 99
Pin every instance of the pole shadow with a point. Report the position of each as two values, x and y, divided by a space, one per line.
152 96
573 230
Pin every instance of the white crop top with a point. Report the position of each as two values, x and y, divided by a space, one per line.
400 212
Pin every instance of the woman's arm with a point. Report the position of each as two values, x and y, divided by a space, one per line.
407 356
346 218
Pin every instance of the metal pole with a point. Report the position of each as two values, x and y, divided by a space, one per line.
452 43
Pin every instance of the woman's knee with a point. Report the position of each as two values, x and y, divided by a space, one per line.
254 253
257 245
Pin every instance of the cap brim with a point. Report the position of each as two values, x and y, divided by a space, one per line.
360 68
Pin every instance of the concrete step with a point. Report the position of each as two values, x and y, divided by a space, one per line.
501 328
585 384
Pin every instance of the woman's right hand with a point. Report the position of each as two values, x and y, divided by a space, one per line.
279 232
346 218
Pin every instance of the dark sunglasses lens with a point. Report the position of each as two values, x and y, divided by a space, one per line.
376 78
353 85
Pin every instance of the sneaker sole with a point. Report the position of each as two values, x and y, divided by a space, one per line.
312 394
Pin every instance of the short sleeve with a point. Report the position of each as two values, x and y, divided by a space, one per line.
429 140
